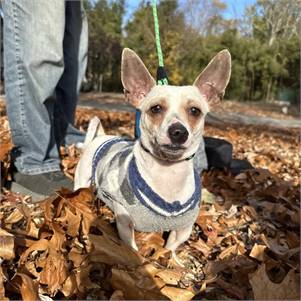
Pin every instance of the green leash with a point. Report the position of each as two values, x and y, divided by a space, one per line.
161 73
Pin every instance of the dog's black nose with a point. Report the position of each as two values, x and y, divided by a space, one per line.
177 133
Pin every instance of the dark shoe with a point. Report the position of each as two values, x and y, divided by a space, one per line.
41 185
219 152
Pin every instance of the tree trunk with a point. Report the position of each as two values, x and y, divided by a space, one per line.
99 82
268 95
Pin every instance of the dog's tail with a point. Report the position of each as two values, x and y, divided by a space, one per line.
94 129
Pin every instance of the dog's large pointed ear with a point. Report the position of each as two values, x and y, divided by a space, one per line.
214 79
136 79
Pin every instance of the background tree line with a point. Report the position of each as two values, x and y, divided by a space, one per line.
264 44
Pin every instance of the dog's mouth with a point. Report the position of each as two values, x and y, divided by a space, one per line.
174 148
169 152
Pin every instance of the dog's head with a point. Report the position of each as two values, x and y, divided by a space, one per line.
172 117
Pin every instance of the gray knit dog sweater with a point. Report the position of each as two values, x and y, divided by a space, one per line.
117 179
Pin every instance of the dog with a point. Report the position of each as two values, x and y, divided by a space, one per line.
153 184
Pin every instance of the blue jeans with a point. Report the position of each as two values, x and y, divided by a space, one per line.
45 57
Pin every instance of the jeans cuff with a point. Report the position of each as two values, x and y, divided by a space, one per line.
39 170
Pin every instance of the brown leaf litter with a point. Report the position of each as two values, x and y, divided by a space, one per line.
245 243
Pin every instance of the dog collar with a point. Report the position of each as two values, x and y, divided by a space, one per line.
150 199
148 151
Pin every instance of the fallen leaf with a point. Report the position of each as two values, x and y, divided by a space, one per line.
28 287
149 242
7 244
55 272
2 289
208 197
4 150
177 294
105 249
257 252
83 280
201 246
231 250
265 289
232 290
171 277
117 295
40 245
69 287
135 286
70 221
14 217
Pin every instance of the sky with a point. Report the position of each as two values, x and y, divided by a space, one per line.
235 8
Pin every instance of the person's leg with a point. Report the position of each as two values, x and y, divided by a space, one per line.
75 58
33 65
35 61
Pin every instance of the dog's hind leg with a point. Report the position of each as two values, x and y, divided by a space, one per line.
125 226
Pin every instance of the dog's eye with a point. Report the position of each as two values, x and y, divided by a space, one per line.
156 109
194 111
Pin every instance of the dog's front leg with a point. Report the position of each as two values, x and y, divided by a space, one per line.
177 237
125 226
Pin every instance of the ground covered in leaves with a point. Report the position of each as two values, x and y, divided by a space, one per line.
245 243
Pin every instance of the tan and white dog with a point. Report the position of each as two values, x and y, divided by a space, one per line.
153 184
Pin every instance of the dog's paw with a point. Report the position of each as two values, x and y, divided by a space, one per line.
176 259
